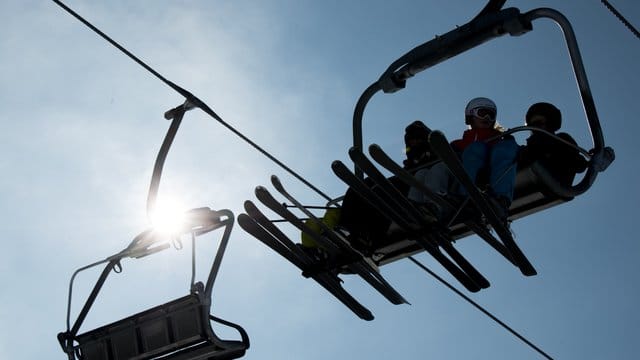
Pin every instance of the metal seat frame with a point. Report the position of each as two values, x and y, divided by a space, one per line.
178 330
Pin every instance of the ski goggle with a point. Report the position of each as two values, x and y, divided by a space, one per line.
483 112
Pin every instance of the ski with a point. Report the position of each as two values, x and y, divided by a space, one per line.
434 233
384 208
330 282
317 266
364 267
336 246
385 161
284 246
440 145
366 193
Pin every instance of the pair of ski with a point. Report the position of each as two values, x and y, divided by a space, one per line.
440 145
324 271
429 234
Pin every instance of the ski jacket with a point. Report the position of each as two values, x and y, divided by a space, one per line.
473 135
561 160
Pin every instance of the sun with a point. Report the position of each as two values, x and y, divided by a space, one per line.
168 217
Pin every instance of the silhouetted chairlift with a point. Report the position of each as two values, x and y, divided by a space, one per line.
179 329
536 189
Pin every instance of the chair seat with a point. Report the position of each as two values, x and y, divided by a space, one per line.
179 329
535 191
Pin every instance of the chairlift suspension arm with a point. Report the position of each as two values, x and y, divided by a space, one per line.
160 159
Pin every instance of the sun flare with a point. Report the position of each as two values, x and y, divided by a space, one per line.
168 216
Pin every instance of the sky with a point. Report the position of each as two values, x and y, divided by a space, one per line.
82 125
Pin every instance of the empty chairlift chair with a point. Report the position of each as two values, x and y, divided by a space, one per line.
180 329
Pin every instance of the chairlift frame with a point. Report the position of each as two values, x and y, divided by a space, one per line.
536 189
484 27
179 329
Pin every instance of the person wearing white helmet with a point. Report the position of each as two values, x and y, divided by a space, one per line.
487 156
483 152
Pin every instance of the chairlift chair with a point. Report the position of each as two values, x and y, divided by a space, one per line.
177 330
535 189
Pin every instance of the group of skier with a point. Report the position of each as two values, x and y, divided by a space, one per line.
489 157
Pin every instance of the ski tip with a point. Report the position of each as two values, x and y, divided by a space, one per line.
528 270
276 182
354 151
337 164
261 190
263 194
242 216
246 222
249 206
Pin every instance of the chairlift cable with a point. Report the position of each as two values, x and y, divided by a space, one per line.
617 14
190 98
477 306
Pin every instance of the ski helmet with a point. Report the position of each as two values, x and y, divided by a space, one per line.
550 112
479 103
416 130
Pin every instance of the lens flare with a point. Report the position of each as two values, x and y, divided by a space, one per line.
168 217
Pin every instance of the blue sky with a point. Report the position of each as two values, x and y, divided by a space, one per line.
82 125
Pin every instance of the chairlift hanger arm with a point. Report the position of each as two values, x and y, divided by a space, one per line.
176 116
478 31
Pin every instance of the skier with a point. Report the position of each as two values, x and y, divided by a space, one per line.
488 158
364 223
561 160
482 148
